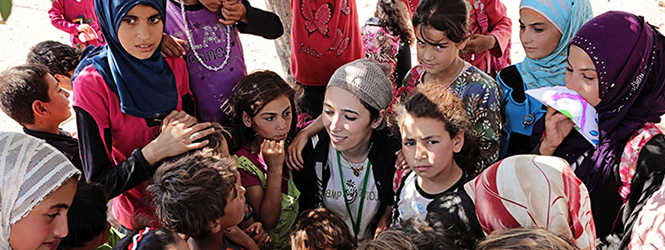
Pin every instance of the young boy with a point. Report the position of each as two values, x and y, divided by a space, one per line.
60 58
199 195
32 97
86 221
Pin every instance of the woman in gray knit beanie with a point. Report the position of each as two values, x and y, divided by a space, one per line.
348 168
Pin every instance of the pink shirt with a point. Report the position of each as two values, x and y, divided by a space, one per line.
64 12
490 17
127 132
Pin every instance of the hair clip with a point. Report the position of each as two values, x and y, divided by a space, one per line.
137 237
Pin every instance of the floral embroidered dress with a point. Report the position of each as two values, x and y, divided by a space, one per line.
481 98
380 45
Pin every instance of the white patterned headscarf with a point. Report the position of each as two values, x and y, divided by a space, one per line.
30 169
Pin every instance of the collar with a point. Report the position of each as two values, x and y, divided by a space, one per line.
46 135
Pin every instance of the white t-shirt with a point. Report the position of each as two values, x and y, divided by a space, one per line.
413 200
333 196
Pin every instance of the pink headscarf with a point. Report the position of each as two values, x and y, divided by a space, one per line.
534 191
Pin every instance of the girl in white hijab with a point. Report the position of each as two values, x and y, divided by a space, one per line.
37 186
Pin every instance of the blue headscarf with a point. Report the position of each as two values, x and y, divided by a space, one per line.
146 88
568 16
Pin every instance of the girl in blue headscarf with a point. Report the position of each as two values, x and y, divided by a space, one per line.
546 27
128 106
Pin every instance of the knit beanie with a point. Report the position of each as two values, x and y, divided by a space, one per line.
365 79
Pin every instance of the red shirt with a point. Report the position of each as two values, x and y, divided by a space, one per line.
325 35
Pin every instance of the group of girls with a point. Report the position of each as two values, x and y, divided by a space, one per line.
134 107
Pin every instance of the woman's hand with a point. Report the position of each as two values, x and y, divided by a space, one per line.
255 230
178 135
273 154
295 161
557 127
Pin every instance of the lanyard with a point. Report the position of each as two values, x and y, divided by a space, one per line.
356 223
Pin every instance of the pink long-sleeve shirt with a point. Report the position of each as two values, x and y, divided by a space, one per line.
64 12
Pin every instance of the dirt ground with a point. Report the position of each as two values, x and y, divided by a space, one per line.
29 24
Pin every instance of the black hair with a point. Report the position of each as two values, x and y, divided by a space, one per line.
456 213
425 236
394 15
60 58
154 239
449 16
86 217
192 191
436 102
20 86
250 95
321 228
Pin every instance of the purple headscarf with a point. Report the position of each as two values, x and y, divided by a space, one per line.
629 57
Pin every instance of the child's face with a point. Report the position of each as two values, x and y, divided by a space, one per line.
212 5
538 35
140 31
347 121
58 107
428 147
436 53
581 75
234 212
46 224
273 122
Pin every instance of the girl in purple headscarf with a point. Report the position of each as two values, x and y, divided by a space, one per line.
617 63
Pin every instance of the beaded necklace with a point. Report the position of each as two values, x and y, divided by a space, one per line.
191 42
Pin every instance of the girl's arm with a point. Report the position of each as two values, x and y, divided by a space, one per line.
140 165
267 203
57 15
384 221
97 166
295 160
261 23
500 26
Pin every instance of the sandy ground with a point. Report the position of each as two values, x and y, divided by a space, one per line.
29 24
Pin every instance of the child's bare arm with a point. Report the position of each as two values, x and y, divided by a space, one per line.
384 221
233 11
240 238
267 203
500 26
255 230
172 47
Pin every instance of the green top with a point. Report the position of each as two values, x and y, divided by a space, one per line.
114 237
279 234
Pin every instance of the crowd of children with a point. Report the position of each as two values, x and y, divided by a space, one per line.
364 151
